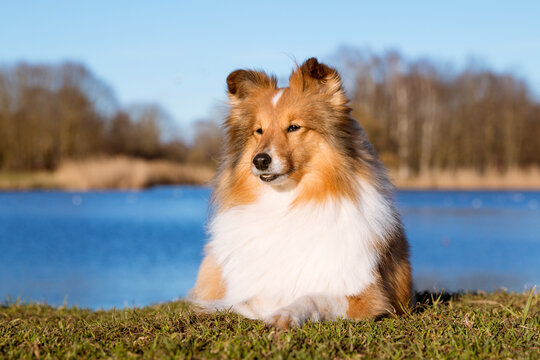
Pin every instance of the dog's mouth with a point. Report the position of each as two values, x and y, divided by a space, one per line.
269 177
275 179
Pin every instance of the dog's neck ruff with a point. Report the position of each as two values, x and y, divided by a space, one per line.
271 251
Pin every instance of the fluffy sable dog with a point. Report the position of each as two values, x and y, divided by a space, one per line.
304 226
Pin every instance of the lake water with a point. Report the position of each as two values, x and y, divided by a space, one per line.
122 248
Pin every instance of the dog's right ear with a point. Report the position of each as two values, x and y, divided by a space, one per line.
241 83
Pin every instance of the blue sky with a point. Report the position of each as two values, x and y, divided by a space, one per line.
178 53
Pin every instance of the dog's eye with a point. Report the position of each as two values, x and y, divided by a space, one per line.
258 131
293 128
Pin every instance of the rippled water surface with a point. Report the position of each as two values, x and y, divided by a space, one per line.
105 249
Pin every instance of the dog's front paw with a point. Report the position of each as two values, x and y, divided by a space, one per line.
283 319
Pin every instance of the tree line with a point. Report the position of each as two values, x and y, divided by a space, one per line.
52 113
420 117
424 117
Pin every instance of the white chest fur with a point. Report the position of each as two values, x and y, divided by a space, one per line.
274 253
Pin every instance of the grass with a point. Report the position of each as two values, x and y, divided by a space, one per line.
22 180
471 179
498 325
108 173
130 173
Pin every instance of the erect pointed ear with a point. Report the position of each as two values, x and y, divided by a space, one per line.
320 78
241 83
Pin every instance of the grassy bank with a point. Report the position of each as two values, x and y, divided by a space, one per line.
128 173
132 173
108 173
497 325
470 179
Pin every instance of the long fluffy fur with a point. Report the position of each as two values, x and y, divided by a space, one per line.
324 240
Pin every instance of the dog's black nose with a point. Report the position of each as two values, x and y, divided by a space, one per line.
261 161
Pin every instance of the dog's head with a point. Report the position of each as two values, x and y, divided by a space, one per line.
286 133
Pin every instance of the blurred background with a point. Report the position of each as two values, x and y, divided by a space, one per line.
110 131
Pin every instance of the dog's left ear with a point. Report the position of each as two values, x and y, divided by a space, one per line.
319 78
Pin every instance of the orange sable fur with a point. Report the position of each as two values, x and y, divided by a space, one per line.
324 160
326 173
209 284
370 303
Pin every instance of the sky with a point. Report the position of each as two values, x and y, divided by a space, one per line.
178 53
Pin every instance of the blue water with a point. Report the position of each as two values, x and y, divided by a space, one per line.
105 249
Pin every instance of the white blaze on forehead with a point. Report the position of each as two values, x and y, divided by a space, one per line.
276 97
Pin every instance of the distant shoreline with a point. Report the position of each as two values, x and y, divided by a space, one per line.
116 173
125 173
469 179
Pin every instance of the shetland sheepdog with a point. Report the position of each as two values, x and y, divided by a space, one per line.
304 226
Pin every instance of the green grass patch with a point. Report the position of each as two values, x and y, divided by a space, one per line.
498 325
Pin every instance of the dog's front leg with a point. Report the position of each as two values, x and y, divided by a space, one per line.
309 308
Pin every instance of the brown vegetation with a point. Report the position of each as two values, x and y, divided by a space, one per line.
109 173
471 179
426 119
131 173
25 180
128 173
53 114
439 128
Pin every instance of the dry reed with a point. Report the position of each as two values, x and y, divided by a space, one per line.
471 179
128 173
